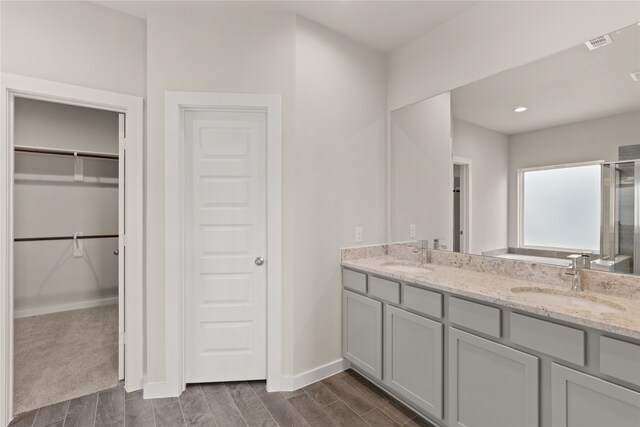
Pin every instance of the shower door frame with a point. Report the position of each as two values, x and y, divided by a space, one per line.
13 86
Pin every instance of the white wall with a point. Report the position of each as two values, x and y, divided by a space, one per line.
217 52
489 153
339 178
74 42
421 172
495 36
590 140
48 202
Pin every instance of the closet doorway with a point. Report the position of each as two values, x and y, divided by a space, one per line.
67 255
461 208
73 228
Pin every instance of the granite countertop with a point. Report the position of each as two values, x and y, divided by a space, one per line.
496 289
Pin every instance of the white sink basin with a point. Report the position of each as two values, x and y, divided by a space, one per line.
406 267
569 299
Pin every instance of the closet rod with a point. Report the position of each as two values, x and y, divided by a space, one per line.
62 152
87 236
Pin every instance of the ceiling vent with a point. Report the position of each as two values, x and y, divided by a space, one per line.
599 42
636 75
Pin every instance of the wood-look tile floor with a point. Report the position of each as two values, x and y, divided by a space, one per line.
345 399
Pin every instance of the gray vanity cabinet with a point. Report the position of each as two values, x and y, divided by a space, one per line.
413 359
491 384
581 400
362 332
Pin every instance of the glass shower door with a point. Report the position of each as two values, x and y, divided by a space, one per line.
618 234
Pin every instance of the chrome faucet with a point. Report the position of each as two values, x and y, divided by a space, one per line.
578 263
424 246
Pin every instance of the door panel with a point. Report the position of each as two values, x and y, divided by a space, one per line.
226 229
491 385
413 358
362 332
580 400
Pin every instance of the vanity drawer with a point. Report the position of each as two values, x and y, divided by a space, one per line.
354 280
384 289
620 359
422 301
477 317
555 340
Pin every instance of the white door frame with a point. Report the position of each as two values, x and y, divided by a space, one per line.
465 202
13 86
176 105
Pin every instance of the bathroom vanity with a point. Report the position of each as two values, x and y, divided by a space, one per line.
466 347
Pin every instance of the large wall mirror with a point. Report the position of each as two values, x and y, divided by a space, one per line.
534 163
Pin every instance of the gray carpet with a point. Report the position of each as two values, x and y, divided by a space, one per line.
65 355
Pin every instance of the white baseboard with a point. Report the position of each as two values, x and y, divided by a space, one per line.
17 314
311 376
154 390
159 389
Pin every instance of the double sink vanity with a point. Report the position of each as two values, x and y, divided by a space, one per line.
524 165
471 341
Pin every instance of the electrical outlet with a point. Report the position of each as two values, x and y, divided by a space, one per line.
358 234
412 230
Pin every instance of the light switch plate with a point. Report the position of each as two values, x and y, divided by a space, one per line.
359 233
412 230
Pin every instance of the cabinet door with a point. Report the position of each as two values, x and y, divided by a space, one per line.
413 359
490 384
580 400
362 332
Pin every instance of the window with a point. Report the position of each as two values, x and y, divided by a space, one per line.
560 207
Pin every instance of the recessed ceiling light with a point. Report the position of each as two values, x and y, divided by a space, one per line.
520 109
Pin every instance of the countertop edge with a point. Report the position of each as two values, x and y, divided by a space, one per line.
601 325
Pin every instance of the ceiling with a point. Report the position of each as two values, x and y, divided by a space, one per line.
380 25
571 86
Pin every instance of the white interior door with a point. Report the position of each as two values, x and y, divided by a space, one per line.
121 241
226 239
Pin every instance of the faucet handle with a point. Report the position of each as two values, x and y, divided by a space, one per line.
574 261
586 260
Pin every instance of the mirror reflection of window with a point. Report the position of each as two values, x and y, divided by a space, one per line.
560 208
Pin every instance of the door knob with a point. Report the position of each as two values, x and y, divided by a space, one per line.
259 261
116 252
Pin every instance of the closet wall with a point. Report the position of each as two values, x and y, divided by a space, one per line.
49 202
